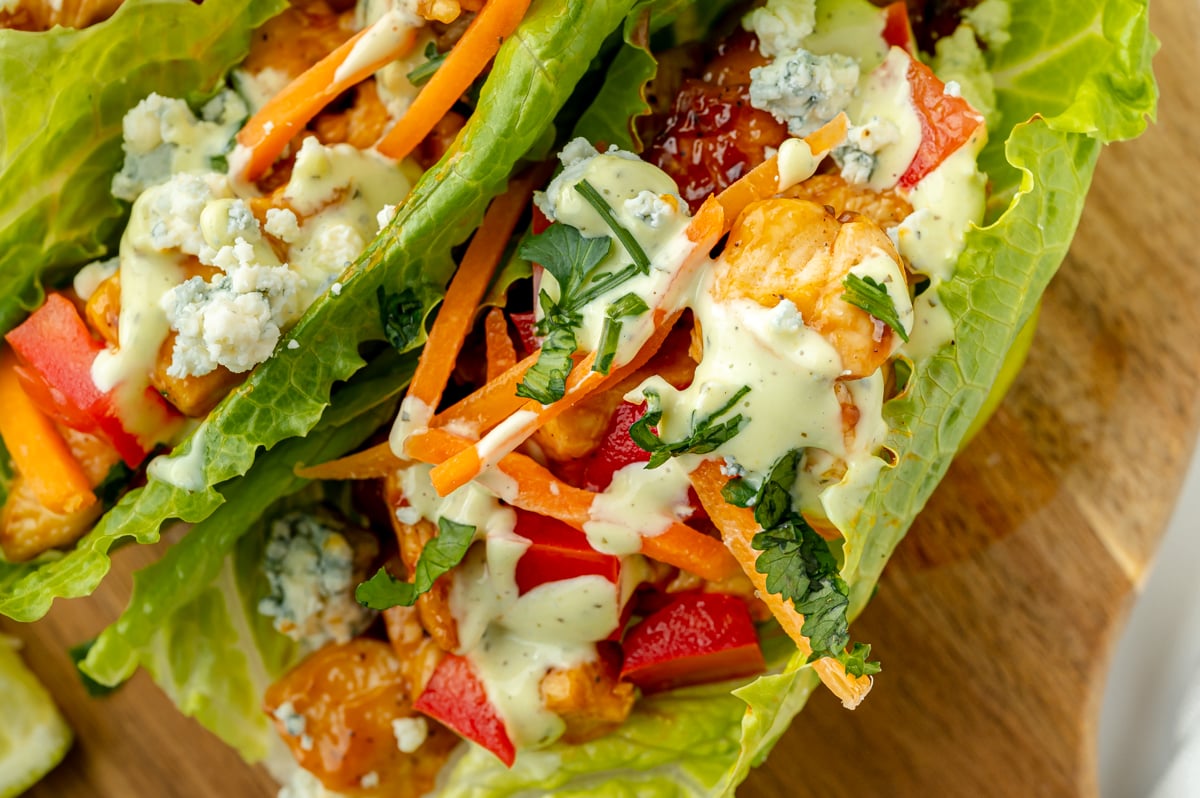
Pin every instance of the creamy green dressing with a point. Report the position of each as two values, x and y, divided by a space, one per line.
639 503
885 96
384 36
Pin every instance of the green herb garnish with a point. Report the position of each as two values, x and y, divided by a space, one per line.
707 433
870 295
440 554
630 305
421 75
605 210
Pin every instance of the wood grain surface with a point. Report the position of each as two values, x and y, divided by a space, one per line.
996 617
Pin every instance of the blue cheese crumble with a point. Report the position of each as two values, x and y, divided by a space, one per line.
782 25
162 136
803 89
310 567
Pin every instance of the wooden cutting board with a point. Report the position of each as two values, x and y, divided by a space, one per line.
995 619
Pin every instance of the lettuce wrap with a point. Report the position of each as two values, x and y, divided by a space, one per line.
1070 79
75 218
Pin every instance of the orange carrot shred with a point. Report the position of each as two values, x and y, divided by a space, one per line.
377 461
738 527
491 26
539 491
265 134
464 293
39 452
501 354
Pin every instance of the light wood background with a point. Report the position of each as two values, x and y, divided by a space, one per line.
996 617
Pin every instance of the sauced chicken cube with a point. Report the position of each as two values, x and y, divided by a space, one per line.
589 699
886 208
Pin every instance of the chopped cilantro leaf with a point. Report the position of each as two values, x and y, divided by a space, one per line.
870 295
707 433
440 554
403 315
589 193
546 380
610 336
564 252
774 497
421 75
855 661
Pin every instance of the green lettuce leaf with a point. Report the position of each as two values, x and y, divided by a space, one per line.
1084 69
191 565
65 94
284 397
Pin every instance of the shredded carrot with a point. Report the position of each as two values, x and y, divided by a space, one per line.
738 527
462 296
763 180
495 401
283 116
491 26
581 383
501 354
39 452
533 487
378 461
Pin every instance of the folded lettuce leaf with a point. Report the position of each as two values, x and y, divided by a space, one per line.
1074 78
65 93
532 76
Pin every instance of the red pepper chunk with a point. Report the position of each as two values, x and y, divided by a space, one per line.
457 698
56 352
616 449
897 30
947 122
697 638
558 552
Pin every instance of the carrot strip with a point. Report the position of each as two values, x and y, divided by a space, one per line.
266 133
531 486
493 402
378 461
38 450
491 26
459 305
501 354
581 383
763 180
738 527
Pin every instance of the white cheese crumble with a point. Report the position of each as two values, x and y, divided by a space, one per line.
385 216
163 137
310 570
283 224
293 722
369 781
650 208
89 278
782 25
857 155
803 89
410 733
293 344
235 319
173 210
991 20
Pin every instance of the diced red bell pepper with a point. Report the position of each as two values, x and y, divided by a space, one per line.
897 29
56 352
457 698
526 331
947 122
616 449
699 637
558 552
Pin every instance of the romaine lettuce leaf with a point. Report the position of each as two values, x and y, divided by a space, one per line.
532 76
1087 74
65 93
190 566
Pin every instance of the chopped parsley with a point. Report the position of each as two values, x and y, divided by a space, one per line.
870 295
799 566
707 434
574 262
402 314
589 193
421 75
630 305
440 554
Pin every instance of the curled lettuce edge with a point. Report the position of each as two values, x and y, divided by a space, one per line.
284 397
